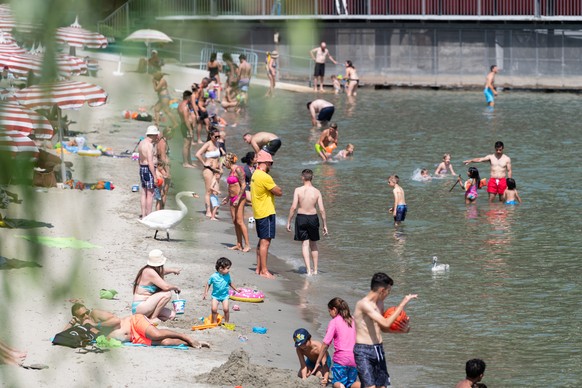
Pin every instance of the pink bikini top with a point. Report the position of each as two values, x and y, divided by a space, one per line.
231 180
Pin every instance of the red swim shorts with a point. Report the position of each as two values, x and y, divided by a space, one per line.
496 186
139 324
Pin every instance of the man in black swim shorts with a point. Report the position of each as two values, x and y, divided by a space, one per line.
306 200
321 112
265 141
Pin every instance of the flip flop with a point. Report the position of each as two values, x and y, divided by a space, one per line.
35 366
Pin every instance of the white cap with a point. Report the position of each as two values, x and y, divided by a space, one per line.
152 130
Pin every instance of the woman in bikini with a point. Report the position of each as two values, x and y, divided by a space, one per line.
214 68
209 155
272 71
151 293
352 79
237 199
161 88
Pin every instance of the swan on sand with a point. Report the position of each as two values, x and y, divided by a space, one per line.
167 219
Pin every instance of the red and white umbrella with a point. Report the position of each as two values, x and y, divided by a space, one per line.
21 64
8 46
64 95
14 117
76 36
17 145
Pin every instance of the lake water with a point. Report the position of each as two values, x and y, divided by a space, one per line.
512 295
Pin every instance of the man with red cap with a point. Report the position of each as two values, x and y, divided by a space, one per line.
263 192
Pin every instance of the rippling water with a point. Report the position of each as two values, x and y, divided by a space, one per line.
512 295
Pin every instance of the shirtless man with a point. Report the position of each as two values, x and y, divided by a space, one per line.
186 129
147 169
102 320
319 55
490 91
263 140
327 142
306 200
474 371
321 112
244 72
139 330
370 324
500 168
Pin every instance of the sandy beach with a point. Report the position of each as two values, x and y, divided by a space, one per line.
39 282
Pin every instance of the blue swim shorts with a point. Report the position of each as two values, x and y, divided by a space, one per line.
266 226
146 177
214 202
489 96
346 375
371 365
400 213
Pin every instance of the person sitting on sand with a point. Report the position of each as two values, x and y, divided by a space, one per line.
5 198
139 329
308 352
102 320
151 292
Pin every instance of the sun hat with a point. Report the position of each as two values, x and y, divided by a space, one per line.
274 54
263 156
301 336
156 258
152 130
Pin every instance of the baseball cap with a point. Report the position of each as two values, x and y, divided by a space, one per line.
152 130
301 336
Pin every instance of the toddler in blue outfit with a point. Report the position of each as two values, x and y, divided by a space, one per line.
220 282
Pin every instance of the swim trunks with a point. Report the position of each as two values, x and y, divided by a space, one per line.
214 202
514 202
489 96
243 84
184 130
319 70
202 115
146 177
371 365
400 213
306 227
346 375
496 186
266 227
310 364
326 113
138 326
319 148
272 146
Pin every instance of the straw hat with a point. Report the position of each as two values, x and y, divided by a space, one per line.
156 258
152 130
274 54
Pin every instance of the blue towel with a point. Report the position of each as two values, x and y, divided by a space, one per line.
181 346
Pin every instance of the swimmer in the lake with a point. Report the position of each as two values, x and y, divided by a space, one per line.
445 166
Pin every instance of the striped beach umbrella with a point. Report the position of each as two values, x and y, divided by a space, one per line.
77 36
21 64
17 145
14 117
8 46
64 95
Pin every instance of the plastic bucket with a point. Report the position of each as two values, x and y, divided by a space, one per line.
135 188
179 305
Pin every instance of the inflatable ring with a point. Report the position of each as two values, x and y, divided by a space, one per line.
247 295
89 152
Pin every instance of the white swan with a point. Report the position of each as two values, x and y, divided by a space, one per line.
438 267
167 219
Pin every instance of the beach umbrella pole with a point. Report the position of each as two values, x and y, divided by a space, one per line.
63 168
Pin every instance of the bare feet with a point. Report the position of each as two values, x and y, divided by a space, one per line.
247 248
236 247
213 219
188 165
200 344
267 274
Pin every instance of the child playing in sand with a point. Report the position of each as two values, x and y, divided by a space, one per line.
347 153
337 86
220 282
342 332
511 195
471 185
309 352
214 193
445 166
399 209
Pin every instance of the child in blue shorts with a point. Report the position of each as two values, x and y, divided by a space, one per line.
220 282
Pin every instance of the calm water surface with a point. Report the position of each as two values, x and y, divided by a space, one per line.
512 295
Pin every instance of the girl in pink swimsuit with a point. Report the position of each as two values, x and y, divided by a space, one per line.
472 185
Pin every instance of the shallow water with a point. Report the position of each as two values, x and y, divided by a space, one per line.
512 295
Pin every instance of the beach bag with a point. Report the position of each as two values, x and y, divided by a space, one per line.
144 117
75 337
44 179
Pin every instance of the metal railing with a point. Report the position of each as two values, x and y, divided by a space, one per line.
116 24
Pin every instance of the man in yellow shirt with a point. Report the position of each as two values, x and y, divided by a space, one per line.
263 192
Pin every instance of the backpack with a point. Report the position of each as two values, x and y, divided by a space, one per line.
75 337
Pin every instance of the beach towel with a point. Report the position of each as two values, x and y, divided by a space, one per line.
180 347
60 242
